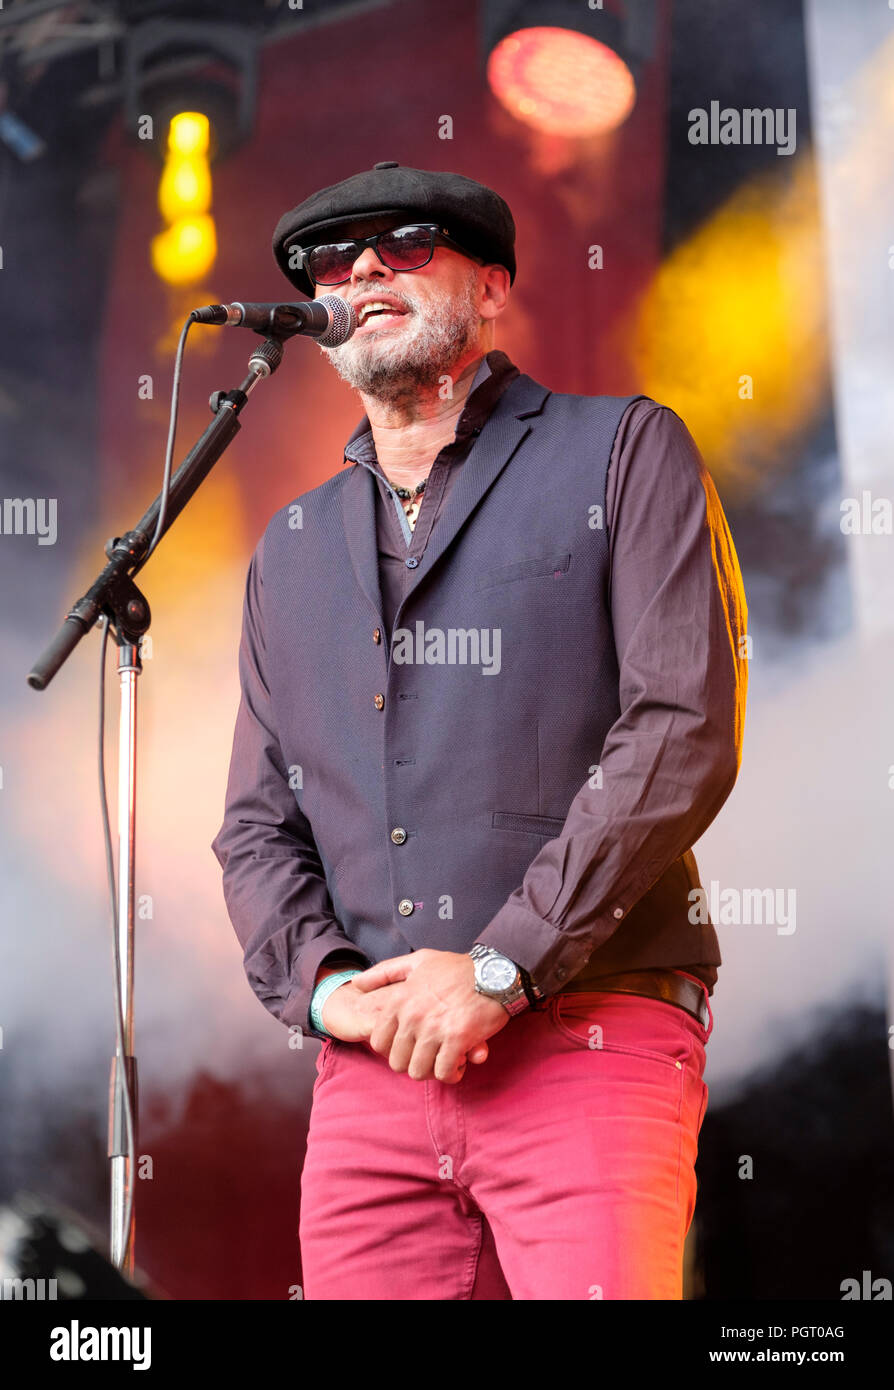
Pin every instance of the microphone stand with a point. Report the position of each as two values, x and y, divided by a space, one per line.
115 594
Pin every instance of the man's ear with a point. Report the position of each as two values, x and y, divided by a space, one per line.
495 287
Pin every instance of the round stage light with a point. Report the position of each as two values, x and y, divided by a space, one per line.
561 82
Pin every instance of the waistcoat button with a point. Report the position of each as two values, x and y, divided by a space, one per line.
398 834
405 907
377 634
412 562
379 701
618 912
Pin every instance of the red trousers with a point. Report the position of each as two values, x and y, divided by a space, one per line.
563 1167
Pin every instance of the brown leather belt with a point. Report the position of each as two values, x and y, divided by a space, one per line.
653 984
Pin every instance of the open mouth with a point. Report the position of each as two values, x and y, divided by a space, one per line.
378 312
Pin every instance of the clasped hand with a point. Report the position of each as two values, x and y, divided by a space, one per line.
421 1011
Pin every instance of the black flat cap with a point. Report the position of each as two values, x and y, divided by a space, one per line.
473 214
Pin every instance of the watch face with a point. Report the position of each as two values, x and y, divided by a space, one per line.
496 973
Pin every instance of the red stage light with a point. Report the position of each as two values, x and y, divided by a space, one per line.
561 82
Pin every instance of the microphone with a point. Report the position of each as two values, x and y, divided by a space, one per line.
330 320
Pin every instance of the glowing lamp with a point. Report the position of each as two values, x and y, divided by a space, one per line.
185 188
189 134
561 81
185 253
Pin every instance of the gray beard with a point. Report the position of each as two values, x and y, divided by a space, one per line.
419 355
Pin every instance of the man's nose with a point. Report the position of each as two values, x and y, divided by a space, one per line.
368 263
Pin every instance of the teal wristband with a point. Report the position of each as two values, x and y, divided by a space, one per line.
322 993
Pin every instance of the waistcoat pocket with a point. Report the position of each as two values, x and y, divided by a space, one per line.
528 825
524 569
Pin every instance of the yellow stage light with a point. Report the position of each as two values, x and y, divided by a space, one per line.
190 133
732 334
185 252
185 187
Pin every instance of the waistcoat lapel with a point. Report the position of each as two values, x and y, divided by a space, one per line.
358 511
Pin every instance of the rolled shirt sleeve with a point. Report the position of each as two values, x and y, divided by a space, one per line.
672 756
273 881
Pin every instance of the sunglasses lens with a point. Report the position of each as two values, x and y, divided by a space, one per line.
331 264
406 248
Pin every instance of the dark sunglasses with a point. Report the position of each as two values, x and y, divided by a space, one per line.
400 248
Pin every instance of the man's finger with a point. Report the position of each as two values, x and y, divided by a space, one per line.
382 1035
387 972
422 1062
450 1063
402 1049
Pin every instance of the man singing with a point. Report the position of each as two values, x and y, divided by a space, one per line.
491 696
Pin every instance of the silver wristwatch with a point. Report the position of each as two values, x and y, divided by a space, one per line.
500 978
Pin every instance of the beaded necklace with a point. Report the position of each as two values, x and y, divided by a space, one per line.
414 497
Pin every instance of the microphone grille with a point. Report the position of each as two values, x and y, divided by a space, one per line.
343 321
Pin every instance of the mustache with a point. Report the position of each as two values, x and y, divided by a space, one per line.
408 302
